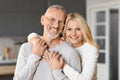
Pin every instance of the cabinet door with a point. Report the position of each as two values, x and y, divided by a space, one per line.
8 5
71 5
8 24
28 16
8 17
27 23
32 5
20 17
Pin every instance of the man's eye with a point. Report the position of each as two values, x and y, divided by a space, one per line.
52 19
62 22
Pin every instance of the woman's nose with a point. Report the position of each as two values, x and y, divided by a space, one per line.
73 33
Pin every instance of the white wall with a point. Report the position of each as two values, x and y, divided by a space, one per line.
93 2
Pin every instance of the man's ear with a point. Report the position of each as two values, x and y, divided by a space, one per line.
42 20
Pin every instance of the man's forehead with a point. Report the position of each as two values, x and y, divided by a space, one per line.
55 13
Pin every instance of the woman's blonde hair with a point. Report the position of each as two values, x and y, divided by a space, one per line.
83 26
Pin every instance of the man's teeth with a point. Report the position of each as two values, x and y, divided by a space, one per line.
53 29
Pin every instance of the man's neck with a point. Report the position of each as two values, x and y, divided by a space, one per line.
52 42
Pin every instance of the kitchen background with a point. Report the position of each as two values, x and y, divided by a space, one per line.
18 18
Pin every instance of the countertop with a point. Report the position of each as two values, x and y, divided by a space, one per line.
7 67
8 62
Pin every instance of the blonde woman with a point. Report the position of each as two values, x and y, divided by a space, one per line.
78 34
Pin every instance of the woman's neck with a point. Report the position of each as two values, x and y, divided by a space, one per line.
75 45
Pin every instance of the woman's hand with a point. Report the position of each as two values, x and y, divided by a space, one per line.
39 47
54 59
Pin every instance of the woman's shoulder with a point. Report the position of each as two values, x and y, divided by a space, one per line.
87 49
89 46
91 50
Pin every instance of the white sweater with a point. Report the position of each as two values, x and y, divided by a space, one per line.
89 56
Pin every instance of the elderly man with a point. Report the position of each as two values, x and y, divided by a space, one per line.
30 65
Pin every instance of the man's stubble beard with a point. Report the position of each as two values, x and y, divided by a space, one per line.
50 36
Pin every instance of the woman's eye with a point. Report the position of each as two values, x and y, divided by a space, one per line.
68 29
78 29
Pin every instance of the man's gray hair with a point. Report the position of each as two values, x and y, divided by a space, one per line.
59 7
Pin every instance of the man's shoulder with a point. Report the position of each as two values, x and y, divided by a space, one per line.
68 52
68 48
65 44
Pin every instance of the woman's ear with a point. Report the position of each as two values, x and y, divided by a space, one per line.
42 20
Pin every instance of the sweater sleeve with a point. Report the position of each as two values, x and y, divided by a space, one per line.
26 66
59 75
88 67
70 72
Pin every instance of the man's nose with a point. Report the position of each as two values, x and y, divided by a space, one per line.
56 23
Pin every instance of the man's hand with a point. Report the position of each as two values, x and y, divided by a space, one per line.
54 59
39 47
